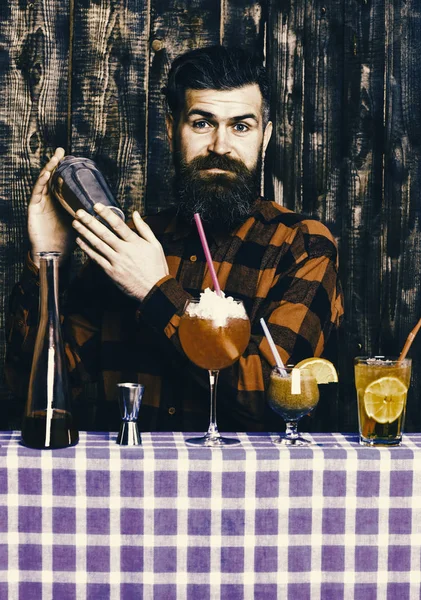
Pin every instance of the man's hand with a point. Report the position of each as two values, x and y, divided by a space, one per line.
134 261
49 226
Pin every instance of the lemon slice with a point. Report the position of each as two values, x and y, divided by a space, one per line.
384 399
323 370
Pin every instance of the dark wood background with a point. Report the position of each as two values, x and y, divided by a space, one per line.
346 99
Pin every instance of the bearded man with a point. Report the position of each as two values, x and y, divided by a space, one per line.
121 314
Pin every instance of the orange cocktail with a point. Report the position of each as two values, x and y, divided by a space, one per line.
214 332
212 346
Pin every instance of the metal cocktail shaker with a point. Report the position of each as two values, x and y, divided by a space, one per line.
77 183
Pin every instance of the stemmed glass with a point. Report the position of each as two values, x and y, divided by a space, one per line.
213 344
292 394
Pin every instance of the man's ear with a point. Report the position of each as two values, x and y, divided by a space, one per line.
169 122
267 135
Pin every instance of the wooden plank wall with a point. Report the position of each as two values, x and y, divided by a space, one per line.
346 99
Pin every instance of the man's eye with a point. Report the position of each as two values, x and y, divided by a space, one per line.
201 124
241 127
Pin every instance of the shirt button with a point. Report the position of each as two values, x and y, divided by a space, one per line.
193 258
171 410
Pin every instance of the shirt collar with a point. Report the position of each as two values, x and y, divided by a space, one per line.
269 211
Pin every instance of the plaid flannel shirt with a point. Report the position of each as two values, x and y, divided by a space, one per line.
281 264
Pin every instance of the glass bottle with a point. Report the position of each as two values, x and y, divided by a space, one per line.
47 421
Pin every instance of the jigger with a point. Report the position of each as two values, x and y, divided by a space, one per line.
129 399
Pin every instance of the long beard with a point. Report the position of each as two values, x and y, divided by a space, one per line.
223 200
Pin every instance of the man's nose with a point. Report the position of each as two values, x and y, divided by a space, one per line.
220 142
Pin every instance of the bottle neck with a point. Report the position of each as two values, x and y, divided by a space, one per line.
48 273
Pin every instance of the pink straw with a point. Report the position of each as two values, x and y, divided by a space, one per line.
207 253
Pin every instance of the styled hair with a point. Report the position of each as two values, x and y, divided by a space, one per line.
215 68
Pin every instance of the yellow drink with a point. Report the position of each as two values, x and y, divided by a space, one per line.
292 406
382 385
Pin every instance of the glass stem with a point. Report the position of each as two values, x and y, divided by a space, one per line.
291 430
213 432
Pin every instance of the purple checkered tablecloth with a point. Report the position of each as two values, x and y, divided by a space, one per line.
167 521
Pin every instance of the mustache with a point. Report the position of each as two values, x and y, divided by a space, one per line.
216 161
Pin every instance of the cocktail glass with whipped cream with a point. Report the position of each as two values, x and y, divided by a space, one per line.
214 331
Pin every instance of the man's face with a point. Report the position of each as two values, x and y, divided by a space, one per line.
218 143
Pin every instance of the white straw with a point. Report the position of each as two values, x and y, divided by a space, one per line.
50 392
275 352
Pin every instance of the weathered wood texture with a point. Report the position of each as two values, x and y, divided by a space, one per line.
109 92
347 149
363 197
401 258
346 99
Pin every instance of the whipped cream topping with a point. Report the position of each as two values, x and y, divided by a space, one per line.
216 308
